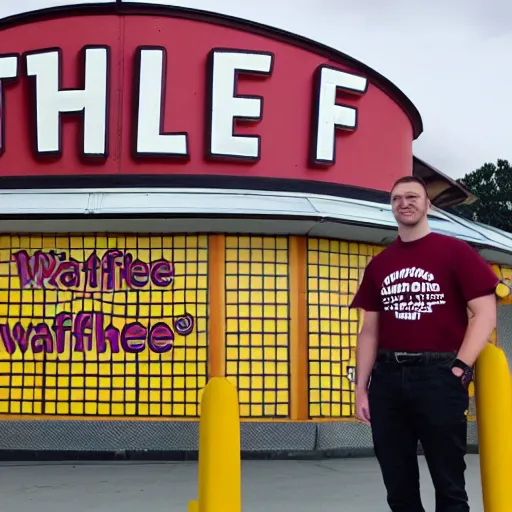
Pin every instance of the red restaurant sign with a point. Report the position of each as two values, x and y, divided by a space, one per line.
112 90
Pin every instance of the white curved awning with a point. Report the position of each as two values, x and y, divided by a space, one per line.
214 210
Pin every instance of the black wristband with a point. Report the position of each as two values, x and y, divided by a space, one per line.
467 375
457 363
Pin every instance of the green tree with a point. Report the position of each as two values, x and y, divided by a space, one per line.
492 185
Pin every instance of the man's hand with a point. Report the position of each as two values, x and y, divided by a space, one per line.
457 371
362 406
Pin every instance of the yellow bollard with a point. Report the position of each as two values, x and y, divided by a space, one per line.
219 468
493 386
504 292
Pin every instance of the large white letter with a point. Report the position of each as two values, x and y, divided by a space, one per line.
150 138
225 106
8 71
51 100
327 115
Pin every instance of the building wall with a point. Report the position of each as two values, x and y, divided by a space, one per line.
102 327
80 343
257 323
334 271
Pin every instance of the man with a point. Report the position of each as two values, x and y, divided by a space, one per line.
419 346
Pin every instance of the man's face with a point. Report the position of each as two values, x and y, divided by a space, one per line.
410 204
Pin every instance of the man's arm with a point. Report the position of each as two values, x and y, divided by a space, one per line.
482 322
366 350
477 283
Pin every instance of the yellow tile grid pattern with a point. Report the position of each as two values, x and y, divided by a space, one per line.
503 272
257 323
94 325
335 269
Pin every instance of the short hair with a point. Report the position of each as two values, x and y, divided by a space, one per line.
411 179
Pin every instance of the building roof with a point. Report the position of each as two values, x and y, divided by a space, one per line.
444 192
229 211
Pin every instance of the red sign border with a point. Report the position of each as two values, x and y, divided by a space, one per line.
138 9
201 180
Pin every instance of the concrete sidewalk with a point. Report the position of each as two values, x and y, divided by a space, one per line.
341 485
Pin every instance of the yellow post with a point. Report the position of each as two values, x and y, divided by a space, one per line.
494 420
504 292
219 473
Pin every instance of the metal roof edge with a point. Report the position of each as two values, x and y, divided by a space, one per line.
233 204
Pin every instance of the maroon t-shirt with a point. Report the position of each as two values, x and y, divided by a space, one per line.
421 290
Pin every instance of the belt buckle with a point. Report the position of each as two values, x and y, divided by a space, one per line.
407 356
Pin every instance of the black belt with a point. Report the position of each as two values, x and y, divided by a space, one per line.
414 358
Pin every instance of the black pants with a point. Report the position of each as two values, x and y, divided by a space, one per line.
426 403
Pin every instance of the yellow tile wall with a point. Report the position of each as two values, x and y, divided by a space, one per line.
37 379
503 272
335 269
257 323
40 380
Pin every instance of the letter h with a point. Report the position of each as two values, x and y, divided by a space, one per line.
51 100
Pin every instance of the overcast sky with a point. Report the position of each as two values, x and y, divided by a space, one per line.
452 58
